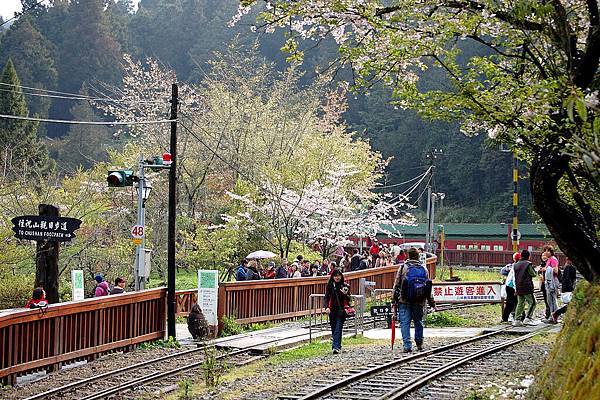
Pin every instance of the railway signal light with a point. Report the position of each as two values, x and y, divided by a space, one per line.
120 178
159 162
166 159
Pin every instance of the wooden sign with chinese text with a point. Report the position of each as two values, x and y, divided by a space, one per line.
45 228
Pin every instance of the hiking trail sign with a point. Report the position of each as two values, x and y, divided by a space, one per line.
45 228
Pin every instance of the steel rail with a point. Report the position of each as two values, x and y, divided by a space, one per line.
85 381
175 371
418 382
379 368
159 375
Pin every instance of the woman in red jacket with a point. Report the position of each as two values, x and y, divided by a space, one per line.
337 299
38 299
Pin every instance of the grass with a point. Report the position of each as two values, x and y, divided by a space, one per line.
184 280
474 317
311 350
316 349
161 344
468 275
445 319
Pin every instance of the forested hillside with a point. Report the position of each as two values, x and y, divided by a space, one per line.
78 46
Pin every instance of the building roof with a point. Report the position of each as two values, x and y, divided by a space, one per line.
530 231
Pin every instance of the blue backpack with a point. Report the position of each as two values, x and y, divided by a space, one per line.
416 287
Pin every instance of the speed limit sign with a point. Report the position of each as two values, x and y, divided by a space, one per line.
137 233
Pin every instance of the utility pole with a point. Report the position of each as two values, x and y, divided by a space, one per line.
143 191
172 216
139 253
429 206
515 219
431 156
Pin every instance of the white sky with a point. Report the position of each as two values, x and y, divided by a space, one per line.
8 7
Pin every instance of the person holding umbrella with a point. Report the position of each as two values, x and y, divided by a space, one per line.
337 305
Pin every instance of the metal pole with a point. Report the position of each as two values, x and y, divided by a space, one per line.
172 217
515 221
431 223
427 234
139 253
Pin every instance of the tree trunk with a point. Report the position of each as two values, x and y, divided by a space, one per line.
574 234
46 260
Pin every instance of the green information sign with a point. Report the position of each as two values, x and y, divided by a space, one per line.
77 284
207 279
208 290
78 281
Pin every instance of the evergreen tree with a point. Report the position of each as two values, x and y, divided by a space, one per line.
84 146
119 14
89 51
183 33
34 57
21 153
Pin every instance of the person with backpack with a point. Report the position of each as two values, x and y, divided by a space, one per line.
102 288
241 273
524 274
412 289
337 304
508 313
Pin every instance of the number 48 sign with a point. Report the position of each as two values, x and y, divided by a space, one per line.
137 233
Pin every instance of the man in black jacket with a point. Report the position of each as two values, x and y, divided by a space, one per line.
524 274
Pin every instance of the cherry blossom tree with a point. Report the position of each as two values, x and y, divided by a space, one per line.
532 83
323 213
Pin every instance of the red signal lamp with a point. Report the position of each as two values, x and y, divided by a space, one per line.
166 157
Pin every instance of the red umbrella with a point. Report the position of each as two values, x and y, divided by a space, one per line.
393 331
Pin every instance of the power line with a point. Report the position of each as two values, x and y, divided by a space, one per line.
84 98
401 183
22 13
244 175
414 187
71 122
74 96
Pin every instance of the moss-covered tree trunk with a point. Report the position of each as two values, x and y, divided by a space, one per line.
572 370
572 228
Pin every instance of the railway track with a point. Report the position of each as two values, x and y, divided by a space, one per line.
153 376
400 377
148 376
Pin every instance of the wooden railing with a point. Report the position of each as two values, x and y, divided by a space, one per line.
282 299
44 339
488 258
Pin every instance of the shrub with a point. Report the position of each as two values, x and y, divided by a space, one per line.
230 326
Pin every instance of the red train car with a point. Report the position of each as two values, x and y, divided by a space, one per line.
485 237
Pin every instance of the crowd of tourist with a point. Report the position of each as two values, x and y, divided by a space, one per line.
519 285
375 256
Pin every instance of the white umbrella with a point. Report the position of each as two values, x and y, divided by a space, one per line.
260 254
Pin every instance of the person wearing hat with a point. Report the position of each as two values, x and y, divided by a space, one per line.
270 272
102 288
